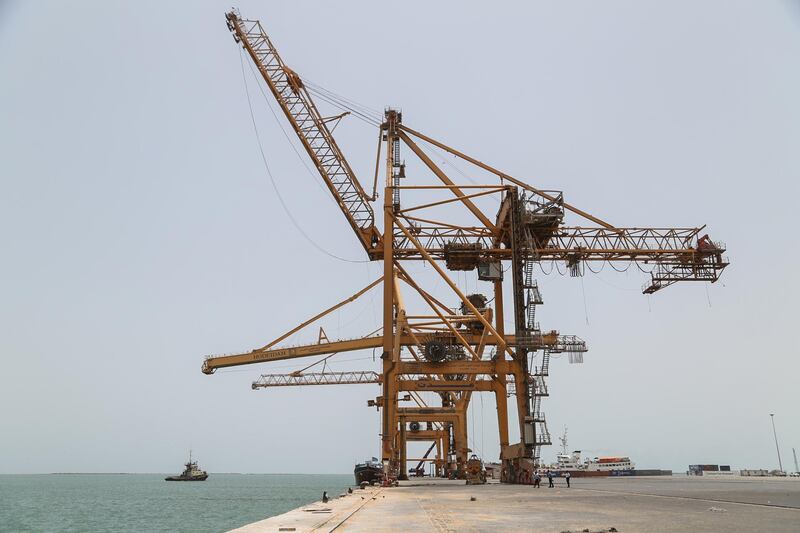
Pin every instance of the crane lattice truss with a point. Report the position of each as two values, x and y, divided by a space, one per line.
444 351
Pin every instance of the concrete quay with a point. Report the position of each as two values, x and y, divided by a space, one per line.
632 504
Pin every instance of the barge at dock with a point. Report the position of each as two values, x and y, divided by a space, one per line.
369 472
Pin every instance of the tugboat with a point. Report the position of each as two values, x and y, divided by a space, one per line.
369 472
191 473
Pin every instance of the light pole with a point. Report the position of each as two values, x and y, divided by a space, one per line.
780 464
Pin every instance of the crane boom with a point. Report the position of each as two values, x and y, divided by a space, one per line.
316 378
310 126
551 341
359 377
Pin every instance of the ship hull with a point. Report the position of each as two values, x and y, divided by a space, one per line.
582 473
190 478
594 473
367 474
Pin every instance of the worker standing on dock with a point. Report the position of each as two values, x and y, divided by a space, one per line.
537 479
550 479
567 476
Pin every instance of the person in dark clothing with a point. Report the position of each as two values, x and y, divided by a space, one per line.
567 476
325 496
550 479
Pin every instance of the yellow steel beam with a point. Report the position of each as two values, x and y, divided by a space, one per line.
322 314
464 400
278 354
503 175
441 316
426 295
425 434
446 278
414 411
263 356
388 415
446 180
473 230
451 200
458 367
425 385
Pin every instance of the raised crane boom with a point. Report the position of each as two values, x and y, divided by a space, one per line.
310 126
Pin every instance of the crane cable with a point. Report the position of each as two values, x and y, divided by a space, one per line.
274 184
368 110
445 160
360 110
344 106
314 175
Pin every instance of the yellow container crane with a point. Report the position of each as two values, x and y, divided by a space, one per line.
439 349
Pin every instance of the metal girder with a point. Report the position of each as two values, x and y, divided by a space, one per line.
262 356
425 434
428 414
668 246
433 385
457 367
361 377
550 340
316 378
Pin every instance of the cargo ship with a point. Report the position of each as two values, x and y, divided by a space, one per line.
599 466
369 472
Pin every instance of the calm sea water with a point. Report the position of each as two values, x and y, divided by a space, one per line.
93 503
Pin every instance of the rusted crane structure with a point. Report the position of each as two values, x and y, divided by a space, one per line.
447 350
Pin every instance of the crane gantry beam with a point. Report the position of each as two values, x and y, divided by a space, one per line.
449 353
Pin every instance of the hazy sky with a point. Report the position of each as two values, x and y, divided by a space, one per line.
140 233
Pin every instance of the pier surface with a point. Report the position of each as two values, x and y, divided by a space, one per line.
632 504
